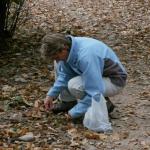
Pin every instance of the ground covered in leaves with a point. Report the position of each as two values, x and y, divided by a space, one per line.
25 79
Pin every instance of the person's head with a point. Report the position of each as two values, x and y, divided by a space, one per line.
55 46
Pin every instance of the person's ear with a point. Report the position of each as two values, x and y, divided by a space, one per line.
65 47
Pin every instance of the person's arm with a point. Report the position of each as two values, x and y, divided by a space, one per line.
65 73
92 67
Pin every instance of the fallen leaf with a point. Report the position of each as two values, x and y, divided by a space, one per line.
6 88
20 79
115 137
27 103
73 132
2 110
124 134
17 117
91 135
37 104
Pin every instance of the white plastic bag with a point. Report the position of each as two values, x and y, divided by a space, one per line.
96 117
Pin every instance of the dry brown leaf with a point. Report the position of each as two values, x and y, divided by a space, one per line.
23 131
10 132
91 135
1 110
115 136
37 104
124 134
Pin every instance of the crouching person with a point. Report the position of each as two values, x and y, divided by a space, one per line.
85 69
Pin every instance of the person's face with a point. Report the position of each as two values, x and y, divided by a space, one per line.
62 55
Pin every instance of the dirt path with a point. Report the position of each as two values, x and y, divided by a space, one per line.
125 26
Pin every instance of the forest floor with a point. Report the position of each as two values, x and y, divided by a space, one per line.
25 79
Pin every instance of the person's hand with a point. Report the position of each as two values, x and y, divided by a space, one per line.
48 102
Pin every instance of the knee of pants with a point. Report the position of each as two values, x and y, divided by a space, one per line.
75 87
110 88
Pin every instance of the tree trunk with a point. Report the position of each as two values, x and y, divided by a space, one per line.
3 31
3 10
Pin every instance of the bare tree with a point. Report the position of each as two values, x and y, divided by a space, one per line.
9 13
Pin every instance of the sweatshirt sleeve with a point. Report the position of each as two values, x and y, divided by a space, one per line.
64 74
92 68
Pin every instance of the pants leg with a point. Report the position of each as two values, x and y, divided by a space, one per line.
110 88
65 94
76 88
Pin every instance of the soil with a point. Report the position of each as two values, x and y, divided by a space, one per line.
25 79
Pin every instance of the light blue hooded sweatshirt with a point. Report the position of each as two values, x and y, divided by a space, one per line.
92 60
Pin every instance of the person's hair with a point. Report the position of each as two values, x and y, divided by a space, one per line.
52 43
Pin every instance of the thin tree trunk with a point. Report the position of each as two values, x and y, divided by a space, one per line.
3 9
